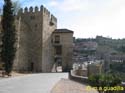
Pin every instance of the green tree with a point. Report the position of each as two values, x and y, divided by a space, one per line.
8 38
101 81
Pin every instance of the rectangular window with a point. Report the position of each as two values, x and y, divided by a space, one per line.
57 39
58 50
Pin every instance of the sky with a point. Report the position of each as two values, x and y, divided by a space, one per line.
87 18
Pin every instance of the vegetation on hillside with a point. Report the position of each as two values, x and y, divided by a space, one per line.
102 82
114 44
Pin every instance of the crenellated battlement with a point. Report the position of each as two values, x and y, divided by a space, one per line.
36 9
32 9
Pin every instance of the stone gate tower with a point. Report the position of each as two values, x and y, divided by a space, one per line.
35 27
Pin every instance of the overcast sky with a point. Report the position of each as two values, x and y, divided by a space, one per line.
87 18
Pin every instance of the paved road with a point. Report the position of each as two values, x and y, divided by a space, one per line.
36 83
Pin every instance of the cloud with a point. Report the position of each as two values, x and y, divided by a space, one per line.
87 18
105 18
53 3
69 5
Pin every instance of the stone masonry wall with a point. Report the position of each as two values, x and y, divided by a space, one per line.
34 40
49 25
66 41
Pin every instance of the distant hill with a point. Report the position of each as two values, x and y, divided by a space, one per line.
106 44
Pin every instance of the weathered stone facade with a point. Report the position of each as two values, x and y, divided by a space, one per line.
36 29
65 45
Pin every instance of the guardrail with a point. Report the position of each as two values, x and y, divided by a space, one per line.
77 78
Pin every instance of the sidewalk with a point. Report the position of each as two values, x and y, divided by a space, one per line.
69 86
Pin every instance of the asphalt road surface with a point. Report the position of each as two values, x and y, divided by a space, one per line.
36 83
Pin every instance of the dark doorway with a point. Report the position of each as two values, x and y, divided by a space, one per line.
32 66
58 62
